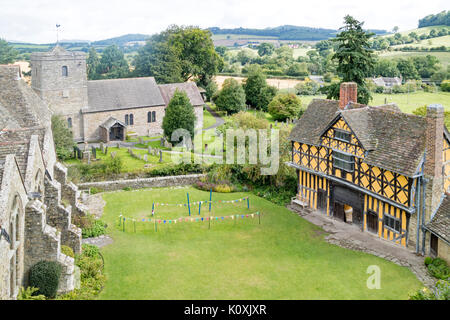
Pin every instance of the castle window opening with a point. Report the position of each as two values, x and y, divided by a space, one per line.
65 71
69 122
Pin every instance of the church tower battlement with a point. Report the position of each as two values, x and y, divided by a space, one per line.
59 78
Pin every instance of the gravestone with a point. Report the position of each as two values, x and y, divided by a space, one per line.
102 147
106 150
149 150
141 140
162 141
145 158
160 156
113 154
118 145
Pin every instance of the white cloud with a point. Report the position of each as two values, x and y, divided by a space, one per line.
34 21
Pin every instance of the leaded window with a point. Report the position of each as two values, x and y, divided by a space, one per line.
391 223
343 161
342 135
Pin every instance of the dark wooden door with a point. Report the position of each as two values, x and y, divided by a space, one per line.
372 222
357 217
322 200
338 211
433 245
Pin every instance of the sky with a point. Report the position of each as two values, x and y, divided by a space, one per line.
35 20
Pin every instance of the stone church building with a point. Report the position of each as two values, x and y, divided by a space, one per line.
34 222
104 109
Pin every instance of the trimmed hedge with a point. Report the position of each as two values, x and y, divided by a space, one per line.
45 276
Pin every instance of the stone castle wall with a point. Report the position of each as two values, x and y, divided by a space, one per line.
143 182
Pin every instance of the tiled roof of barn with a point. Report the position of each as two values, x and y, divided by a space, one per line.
19 104
394 140
116 94
440 224
191 89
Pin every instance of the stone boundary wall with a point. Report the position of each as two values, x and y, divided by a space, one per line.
154 182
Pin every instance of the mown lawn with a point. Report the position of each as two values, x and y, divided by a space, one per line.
285 257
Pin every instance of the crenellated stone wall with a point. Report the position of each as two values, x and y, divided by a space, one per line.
143 182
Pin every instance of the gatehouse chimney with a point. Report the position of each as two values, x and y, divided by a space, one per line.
348 93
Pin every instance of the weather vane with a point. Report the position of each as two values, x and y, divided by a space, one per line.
57 36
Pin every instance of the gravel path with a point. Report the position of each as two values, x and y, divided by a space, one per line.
351 237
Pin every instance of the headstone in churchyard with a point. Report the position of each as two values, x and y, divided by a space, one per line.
145 158
149 150
167 144
162 141
118 145
94 152
106 150
102 147
86 146
113 154
160 156
141 140
276 122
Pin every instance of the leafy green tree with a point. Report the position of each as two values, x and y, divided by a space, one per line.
158 59
113 64
232 96
297 69
285 106
62 138
93 63
221 50
386 68
355 59
179 115
407 69
179 53
266 96
7 53
255 81
211 89
245 56
266 49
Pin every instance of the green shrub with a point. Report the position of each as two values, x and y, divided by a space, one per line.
445 85
97 228
440 292
127 189
428 260
30 293
439 269
224 188
67 251
95 190
284 106
89 250
45 275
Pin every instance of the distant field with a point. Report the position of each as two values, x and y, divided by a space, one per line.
239 36
278 83
406 102
420 31
444 57
428 43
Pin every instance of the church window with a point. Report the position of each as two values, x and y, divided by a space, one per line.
65 71
131 119
149 117
343 161
342 135
153 116
69 122
126 119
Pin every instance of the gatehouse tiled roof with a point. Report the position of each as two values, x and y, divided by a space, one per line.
440 223
393 140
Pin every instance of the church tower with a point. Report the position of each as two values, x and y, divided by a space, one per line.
59 78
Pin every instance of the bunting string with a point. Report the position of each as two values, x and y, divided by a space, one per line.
191 219
200 202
